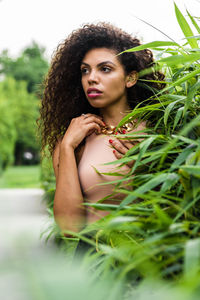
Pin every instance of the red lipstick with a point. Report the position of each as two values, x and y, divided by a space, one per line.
93 92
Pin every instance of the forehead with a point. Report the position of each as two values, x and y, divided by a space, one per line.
98 55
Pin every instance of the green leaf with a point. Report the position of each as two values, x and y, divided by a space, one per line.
168 110
185 139
151 45
185 27
181 80
151 184
193 170
161 214
192 91
107 207
192 257
143 148
179 59
170 181
182 157
178 116
193 22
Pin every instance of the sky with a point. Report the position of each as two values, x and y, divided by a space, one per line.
49 22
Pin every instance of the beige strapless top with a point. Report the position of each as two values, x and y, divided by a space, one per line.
98 151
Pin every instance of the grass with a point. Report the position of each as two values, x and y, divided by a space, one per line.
21 177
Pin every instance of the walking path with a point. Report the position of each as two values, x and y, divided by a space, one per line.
23 218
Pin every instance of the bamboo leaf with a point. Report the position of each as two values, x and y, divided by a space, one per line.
151 45
193 22
192 257
185 27
185 139
101 206
179 59
163 217
182 157
143 148
157 180
193 90
193 170
178 116
168 110
181 80
170 181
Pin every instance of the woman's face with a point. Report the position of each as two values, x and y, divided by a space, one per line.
103 78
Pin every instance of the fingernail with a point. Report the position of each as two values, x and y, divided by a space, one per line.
123 131
110 141
116 132
114 151
104 124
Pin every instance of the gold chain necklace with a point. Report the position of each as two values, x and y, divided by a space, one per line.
110 129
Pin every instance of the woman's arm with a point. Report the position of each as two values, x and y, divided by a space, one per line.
68 209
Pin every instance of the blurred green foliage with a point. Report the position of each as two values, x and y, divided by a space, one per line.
47 274
30 66
20 85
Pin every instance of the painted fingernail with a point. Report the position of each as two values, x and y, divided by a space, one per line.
116 132
110 141
114 151
123 131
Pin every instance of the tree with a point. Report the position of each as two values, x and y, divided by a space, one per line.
19 111
19 104
30 66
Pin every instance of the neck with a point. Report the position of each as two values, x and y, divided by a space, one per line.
113 115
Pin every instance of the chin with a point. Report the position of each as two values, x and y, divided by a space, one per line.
97 104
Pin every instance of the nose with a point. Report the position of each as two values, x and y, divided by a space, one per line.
93 77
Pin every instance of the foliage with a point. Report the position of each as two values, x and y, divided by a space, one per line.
30 66
154 232
19 111
20 80
48 275
8 136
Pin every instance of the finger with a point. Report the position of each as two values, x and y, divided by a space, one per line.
92 127
118 146
93 118
117 154
127 144
85 116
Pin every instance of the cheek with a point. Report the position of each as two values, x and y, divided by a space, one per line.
83 84
117 85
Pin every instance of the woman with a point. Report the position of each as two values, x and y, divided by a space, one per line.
88 90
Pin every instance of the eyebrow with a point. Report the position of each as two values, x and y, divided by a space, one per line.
100 64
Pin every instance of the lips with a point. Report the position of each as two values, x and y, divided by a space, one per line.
93 91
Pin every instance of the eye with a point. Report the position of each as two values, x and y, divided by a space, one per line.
106 69
84 71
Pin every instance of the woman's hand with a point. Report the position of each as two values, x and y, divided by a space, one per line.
81 127
121 147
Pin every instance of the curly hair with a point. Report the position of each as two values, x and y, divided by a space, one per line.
64 98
